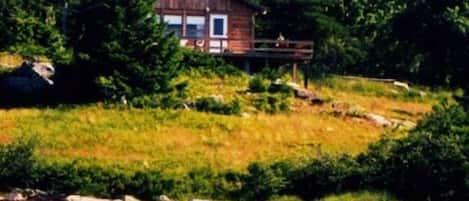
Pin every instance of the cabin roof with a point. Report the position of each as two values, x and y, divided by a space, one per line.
254 6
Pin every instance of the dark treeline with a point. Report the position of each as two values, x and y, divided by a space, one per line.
424 41
111 45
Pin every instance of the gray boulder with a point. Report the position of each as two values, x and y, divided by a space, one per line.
163 198
30 78
379 120
309 96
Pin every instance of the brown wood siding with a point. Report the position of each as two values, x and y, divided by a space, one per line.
214 5
240 32
240 18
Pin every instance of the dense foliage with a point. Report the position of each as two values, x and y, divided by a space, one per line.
422 41
104 49
120 45
30 28
211 104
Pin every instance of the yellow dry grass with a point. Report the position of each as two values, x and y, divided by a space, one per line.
178 141
181 140
8 60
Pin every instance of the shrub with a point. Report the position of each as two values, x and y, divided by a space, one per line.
263 181
281 88
28 28
327 175
258 85
432 162
170 100
273 103
207 63
282 73
16 164
429 164
210 104
201 182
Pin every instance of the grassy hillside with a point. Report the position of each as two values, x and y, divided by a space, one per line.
360 196
352 196
179 140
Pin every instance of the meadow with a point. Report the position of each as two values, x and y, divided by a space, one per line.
179 140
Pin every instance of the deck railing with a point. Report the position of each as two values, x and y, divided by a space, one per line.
253 48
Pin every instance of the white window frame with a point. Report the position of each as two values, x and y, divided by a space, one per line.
172 19
212 25
195 19
198 20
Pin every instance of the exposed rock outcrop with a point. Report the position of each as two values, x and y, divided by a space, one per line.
29 79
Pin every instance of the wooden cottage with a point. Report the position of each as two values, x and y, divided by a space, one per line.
215 26
227 28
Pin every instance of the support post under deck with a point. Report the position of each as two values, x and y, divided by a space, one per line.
247 67
295 71
306 69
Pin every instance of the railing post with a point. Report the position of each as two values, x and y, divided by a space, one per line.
221 46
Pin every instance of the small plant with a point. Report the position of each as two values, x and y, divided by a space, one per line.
273 103
281 88
282 73
258 85
207 63
210 104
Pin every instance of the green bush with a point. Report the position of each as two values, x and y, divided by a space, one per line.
18 168
102 182
327 175
264 181
16 164
430 164
273 103
207 63
170 100
210 104
258 85
281 88
29 28
273 74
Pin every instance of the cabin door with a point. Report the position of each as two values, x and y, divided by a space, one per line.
218 33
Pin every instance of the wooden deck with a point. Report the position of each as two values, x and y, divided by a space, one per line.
259 48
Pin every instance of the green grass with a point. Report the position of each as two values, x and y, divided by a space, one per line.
209 84
182 140
353 196
380 89
360 196
178 140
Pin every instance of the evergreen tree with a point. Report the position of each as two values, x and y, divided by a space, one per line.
120 46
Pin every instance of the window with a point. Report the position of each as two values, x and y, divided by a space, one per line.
174 24
195 27
219 26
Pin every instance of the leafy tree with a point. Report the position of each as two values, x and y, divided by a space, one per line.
29 28
423 41
325 22
437 32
